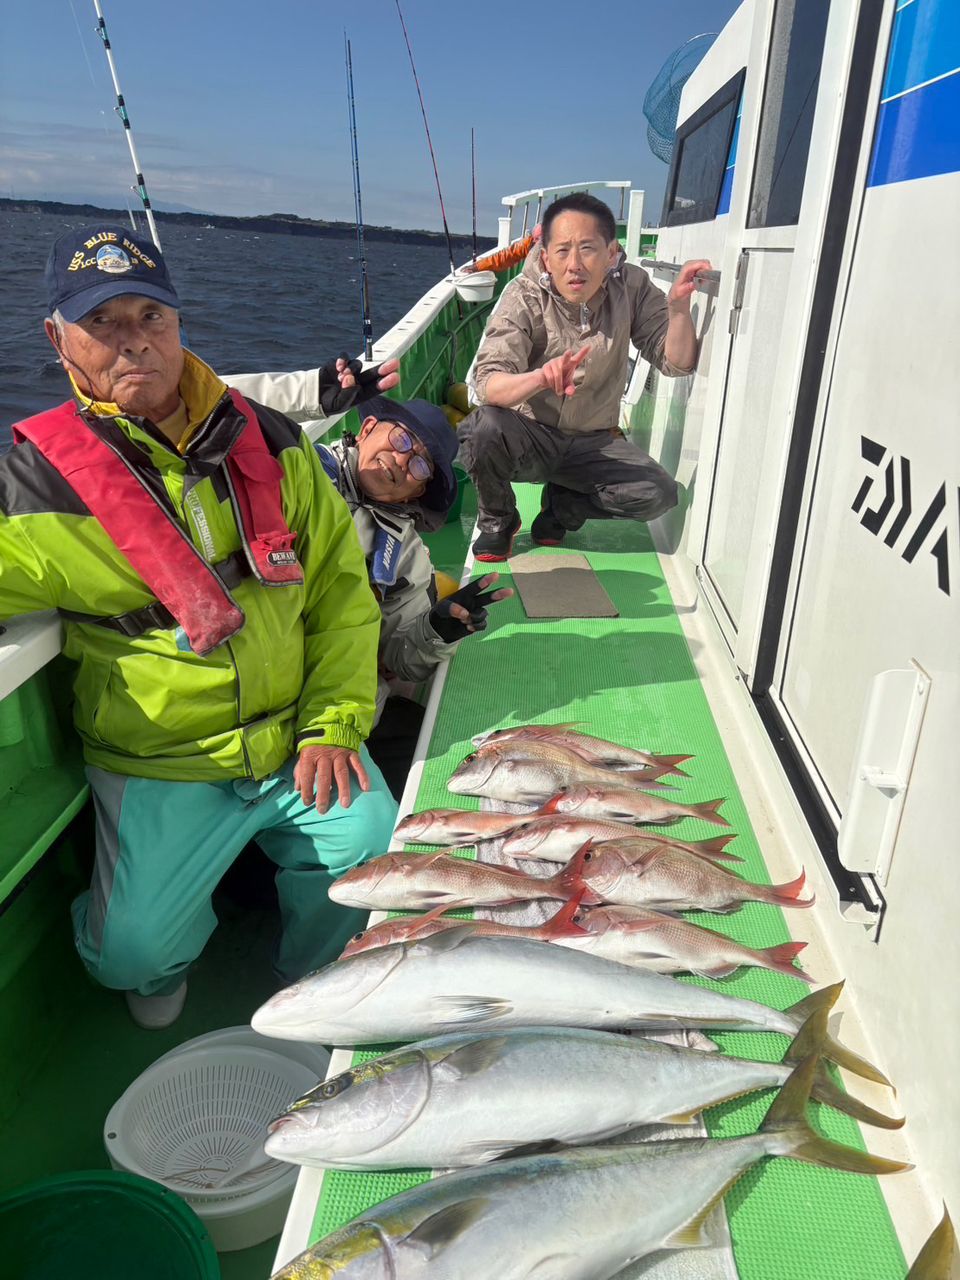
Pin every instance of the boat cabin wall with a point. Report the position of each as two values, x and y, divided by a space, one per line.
821 523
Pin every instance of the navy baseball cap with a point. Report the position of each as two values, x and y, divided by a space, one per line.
92 264
431 427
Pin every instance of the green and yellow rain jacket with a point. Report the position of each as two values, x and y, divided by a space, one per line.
302 670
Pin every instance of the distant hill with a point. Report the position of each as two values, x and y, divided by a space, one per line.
288 224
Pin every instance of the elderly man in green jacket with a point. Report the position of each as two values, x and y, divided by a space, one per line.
216 603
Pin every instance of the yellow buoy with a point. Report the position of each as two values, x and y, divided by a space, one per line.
459 397
446 585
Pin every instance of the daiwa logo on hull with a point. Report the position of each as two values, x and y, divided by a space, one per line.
923 526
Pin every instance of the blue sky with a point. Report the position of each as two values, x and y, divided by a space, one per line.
240 107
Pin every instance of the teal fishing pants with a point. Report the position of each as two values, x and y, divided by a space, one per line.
162 848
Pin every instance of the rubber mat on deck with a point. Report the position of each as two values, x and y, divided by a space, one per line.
631 679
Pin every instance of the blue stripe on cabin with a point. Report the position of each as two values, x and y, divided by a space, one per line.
925 45
723 204
918 135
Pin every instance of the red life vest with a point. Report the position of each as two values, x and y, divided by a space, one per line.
153 540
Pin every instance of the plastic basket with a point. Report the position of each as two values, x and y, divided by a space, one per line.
90 1226
475 286
196 1121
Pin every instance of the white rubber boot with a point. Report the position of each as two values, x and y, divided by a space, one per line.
155 1012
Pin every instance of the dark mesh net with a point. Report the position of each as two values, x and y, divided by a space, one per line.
662 100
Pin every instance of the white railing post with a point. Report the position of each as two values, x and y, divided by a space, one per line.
634 225
503 234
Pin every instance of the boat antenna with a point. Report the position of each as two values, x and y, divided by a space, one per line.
365 319
473 184
423 112
121 110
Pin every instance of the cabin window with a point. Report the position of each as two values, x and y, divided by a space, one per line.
786 120
700 151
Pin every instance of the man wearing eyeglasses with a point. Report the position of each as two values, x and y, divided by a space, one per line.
397 478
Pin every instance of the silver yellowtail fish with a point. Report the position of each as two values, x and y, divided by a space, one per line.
453 981
609 755
404 882
668 944
541 771
466 1099
458 826
647 874
623 804
580 1214
557 838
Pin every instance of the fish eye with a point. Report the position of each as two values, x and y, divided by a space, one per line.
563 790
471 756
330 1089
357 936
587 857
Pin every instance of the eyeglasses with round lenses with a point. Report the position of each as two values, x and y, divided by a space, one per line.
402 441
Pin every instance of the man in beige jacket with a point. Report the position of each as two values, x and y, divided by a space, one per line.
550 375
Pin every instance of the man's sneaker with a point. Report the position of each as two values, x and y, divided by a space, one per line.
497 545
155 1012
546 530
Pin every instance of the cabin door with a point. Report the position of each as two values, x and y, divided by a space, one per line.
739 514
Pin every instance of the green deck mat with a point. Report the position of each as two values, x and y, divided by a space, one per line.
631 679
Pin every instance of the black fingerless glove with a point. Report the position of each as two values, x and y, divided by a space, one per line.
336 399
473 599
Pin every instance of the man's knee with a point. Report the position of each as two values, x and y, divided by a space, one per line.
127 958
484 430
371 818
648 498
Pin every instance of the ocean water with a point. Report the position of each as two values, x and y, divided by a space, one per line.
251 303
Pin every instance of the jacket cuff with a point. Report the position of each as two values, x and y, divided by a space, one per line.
330 735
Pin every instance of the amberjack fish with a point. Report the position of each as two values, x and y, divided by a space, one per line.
664 877
609 755
407 928
473 1097
453 981
457 826
668 944
404 882
556 838
586 1211
530 779
623 804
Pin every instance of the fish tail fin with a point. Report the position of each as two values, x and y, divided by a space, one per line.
706 810
833 1049
781 957
714 850
671 762
787 895
934 1259
563 925
813 1038
787 1119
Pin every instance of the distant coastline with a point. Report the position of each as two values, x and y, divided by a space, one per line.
287 224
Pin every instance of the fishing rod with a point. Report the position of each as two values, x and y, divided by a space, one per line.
121 110
365 318
473 184
423 112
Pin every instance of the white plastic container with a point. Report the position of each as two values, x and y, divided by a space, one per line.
475 286
195 1121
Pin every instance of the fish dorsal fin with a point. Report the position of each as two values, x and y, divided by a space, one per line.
444 1227
933 1262
694 1234
474 1058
